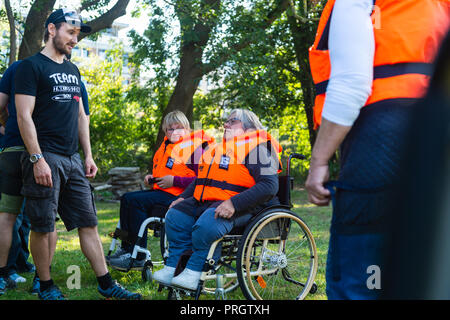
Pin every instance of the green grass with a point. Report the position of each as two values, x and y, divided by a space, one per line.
318 220
68 253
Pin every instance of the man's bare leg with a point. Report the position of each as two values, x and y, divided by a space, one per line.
7 221
41 250
92 248
52 238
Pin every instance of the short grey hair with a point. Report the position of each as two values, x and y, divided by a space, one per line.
175 117
248 118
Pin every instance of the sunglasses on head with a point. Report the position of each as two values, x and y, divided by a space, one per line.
72 18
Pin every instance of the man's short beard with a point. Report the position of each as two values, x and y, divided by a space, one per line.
59 46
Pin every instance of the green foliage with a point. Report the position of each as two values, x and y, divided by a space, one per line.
263 77
95 7
154 49
123 119
4 41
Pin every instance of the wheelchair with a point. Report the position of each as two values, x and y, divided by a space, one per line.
273 257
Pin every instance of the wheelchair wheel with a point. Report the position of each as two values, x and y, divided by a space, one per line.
147 270
277 257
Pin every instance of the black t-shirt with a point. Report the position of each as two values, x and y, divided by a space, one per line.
57 90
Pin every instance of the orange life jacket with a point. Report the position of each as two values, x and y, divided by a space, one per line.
171 158
222 172
407 33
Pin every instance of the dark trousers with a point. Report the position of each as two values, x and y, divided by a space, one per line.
19 253
137 206
355 266
370 162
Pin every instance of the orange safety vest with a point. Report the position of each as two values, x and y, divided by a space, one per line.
171 158
222 172
407 33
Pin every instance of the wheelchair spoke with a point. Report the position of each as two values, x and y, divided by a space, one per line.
279 259
298 246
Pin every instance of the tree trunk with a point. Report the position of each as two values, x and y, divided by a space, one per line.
302 40
191 67
34 27
12 33
189 77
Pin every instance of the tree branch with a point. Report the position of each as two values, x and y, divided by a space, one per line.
269 20
12 33
34 27
106 19
299 18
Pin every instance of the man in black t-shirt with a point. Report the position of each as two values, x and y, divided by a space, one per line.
52 121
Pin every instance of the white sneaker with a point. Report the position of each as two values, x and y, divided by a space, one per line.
165 275
17 278
187 279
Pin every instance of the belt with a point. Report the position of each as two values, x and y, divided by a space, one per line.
13 149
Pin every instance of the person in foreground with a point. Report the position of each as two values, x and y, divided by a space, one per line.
370 65
52 121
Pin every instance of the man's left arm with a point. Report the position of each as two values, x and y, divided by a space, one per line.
85 142
352 48
329 138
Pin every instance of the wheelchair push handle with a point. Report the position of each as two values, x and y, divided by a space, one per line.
294 155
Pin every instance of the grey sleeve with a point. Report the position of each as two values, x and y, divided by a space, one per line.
262 163
189 191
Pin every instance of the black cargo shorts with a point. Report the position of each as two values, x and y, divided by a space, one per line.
71 195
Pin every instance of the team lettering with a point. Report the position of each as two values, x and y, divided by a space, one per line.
64 78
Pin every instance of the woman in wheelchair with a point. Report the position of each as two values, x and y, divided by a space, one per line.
175 166
236 180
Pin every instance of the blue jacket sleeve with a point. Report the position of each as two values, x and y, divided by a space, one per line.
84 97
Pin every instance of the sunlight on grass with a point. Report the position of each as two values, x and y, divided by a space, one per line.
68 253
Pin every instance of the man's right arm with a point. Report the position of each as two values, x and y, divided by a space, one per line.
25 106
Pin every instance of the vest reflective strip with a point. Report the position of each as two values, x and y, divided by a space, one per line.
321 87
398 69
220 184
390 70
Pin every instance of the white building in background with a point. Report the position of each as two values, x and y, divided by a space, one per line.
107 39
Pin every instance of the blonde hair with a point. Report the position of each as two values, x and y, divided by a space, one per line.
248 118
175 117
